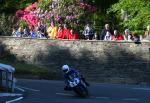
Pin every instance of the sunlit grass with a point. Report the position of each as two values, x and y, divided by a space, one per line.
24 70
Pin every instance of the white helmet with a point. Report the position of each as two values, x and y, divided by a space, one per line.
65 68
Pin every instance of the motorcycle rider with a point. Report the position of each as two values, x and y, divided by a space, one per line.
70 74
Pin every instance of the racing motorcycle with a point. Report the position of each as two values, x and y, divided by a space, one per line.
79 87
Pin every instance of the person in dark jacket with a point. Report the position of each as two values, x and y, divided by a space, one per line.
104 32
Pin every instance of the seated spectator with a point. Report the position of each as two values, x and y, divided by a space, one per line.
127 36
19 32
136 38
26 32
105 31
88 32
73 35
96 36
66 32
60 34
52 31
108 36
41 30
13 32
33 33
117 36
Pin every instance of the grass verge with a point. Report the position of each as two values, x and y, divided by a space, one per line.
29 71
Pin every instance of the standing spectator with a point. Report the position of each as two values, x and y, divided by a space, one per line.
127 35
88 32
117 36
147 33
52 31
105 31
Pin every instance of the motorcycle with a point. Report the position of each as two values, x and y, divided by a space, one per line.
79 87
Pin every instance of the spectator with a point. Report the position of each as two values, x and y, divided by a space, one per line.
26 32
73 35
52 31
108 36
13 32
41 29
105 31
117 36
33 33
96 36
127 35
66 32
147 33
19 32
136 38
60 34
88 32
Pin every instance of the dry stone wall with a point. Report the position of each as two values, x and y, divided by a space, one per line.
102 61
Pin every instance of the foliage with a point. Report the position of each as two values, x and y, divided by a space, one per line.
6 24
73 12
26 15
22 23
135 13
68 11
10 6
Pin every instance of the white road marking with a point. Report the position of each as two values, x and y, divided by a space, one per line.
130 99
102 97
65 94
9 94
29 89
147 89
20 89
14 100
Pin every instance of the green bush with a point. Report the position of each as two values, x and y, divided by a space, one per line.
7 22
134 14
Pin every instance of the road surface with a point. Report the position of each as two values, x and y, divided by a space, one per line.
43 91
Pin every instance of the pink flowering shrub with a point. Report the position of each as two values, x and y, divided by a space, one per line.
87 7
27 16
59 12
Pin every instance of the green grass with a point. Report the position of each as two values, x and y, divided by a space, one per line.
29 71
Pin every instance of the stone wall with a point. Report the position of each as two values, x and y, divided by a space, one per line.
117 62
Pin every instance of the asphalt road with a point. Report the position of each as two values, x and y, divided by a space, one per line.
42 91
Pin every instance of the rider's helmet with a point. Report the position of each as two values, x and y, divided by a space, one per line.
65 68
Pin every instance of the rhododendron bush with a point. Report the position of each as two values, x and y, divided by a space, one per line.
27 15
58 11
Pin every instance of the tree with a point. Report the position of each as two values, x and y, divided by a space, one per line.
134 14
10 6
